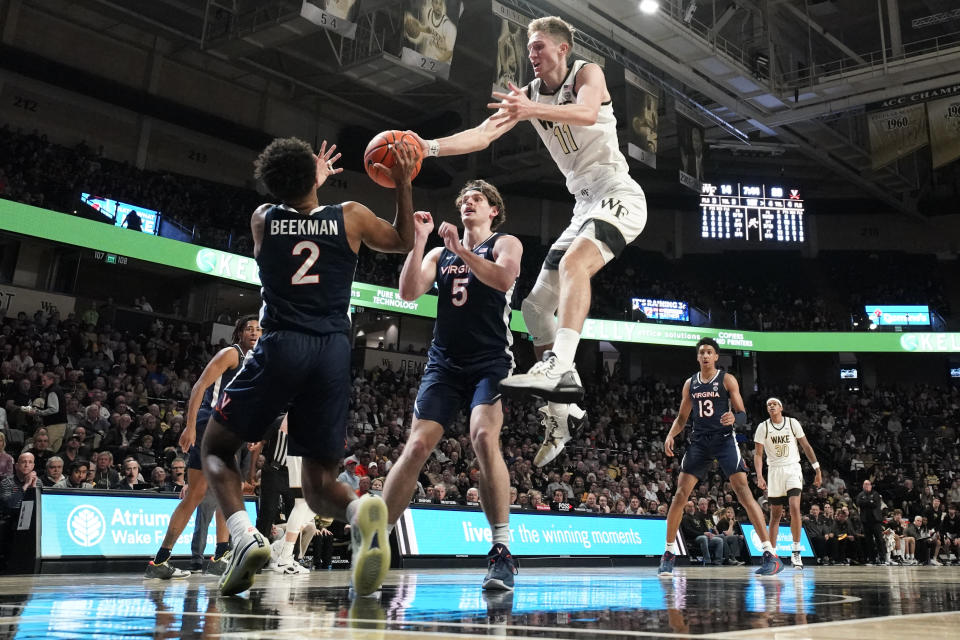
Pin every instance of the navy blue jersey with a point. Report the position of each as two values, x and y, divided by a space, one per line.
212 394
306 268
473 319
710 401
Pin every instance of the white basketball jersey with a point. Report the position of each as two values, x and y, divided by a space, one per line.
588 156
780 441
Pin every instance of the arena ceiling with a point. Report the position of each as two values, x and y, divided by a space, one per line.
782 85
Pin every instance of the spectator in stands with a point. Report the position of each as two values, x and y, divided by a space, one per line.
849 549
77 476
820 532
696 526
950 532
131 477
13 487
6 460
95 427
472 496
54 411
40 448
54 473
733 540
178 474
349 475
106 476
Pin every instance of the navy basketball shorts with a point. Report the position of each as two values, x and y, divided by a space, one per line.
707 447
445 388
311 374
193 456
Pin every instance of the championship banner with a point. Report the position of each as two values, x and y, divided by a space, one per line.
643 102
339 16
429 34
943 117
690 141
896 133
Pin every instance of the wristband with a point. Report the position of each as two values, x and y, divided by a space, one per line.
433 148
740 418
815 465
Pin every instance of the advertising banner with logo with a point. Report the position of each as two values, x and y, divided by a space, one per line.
111 525
898 314
452 532
896 133
429 34
784 542
643 103
944 121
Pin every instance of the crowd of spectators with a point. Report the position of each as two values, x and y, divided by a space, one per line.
749 292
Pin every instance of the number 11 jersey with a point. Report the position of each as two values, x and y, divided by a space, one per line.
473 319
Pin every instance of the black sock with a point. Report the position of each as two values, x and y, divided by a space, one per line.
222 548
162 556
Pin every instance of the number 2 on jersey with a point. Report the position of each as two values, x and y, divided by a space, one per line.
301 277
458 291
706 408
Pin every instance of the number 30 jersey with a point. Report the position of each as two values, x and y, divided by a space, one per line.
588 155
710 401
473 319
306 269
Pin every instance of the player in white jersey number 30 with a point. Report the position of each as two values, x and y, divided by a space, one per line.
569 106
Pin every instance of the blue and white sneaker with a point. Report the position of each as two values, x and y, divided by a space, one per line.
370 544
666 564
502 568
771 565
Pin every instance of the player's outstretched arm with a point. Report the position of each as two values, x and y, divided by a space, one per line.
226 358
467 141
419 272
500 274
377 233
686 406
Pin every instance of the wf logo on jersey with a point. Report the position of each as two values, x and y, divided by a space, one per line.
616 206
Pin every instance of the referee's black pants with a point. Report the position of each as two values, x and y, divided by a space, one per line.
275 497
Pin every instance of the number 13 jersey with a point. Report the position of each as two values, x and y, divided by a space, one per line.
710 401
473 319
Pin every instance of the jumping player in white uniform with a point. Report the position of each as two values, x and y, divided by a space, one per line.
570 108
780 437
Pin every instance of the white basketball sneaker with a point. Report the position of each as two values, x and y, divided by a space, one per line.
795 560
548 379
556 424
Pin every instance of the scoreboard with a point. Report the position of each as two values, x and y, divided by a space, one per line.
751 212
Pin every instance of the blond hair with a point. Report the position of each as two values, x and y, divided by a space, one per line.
555 27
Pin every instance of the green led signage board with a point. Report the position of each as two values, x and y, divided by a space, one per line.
66 229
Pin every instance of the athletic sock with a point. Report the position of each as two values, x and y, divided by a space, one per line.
163 554
673 548
501 533
238 524
390 528
769 547
565 345
796 546
286 553
352 510
222 548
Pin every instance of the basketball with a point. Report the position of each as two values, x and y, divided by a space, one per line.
380 150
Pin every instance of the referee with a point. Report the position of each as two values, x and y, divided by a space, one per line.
275 495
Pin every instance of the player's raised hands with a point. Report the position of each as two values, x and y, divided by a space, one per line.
513 106
423 224
451 237
406 157
325 160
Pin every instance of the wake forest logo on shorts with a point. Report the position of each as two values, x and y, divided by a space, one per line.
616 206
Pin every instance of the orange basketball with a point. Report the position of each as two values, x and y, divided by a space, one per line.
380 150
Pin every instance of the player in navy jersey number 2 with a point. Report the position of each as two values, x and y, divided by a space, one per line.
713 396
468 358
307 255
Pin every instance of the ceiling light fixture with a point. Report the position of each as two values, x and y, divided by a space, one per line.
649 7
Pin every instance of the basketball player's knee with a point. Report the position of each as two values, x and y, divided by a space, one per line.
485 442
538 309
418 449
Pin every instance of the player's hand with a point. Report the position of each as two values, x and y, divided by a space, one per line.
422 224
405 158
668 446
424 145
188 438
728 419
761 483
513 106
325 160
247 488
325 532
451 237
818 479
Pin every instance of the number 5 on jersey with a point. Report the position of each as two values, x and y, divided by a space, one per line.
458 292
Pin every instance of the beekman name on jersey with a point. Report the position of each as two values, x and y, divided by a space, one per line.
304 227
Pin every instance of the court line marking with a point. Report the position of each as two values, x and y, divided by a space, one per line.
795 627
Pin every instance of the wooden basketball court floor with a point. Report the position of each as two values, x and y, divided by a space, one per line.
916 603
